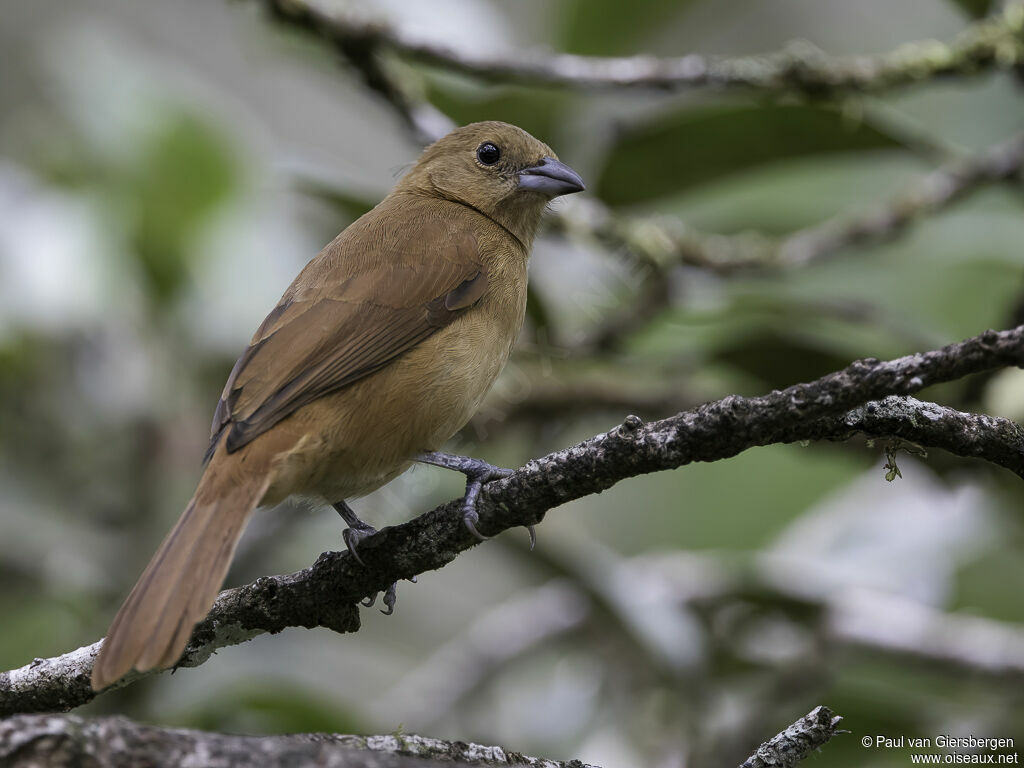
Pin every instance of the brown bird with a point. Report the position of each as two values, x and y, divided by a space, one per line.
379 352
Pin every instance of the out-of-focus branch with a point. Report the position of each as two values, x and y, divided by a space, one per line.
326 594
659 243
995 43
34 740
788 748
500 634
362 51
877 623
873 623
663 241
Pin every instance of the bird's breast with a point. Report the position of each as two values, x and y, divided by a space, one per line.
355 440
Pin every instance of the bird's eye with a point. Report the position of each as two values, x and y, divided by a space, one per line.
488 153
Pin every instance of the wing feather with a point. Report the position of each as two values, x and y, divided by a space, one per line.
335 326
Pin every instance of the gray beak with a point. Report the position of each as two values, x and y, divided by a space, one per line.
551 178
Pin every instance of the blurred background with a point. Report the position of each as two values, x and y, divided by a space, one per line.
167 168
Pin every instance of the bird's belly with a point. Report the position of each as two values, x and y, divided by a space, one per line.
354 441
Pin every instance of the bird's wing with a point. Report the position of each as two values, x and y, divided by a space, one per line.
336 325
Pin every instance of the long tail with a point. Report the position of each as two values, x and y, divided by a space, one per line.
182 579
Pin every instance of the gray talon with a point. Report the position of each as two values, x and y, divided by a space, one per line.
352 537
477 473
390 597
356 531
469 518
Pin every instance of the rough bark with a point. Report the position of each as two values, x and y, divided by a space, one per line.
796 742
28 741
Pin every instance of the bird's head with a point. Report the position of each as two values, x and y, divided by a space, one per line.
498 169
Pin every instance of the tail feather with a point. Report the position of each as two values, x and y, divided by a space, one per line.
184 576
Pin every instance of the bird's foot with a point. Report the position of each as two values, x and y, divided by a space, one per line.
477 473
390 597
356 531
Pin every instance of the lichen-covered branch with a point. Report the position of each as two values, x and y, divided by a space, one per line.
995 43
326 594
996 440
34 740
788 748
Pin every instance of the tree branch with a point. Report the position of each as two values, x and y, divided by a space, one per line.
995 43
788 748
33 740
999 441
326 594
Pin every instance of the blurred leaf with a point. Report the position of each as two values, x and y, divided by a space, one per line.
778 360
974 8
35 624
534 110
272 708
350 204
612 28
538 313
703 507
778 198
695 146
981 583
185 171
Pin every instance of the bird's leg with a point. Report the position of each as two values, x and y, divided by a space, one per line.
357 531
477 473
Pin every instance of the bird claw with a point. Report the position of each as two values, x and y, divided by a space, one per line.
470 518
477 473
481 473
390 598
356 531
352 537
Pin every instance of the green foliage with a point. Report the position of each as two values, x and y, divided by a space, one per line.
537 111
184 171
277 708
974 8
694 146
599 28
